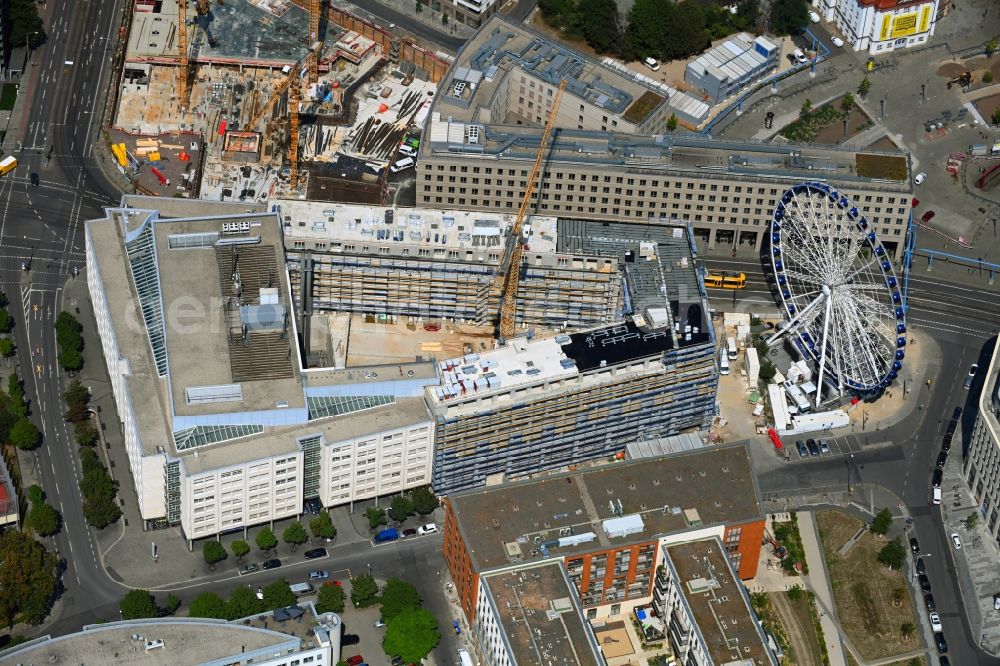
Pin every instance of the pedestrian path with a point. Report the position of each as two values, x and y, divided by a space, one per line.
819 583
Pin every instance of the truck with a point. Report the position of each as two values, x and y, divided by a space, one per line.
385 536
979 149
7 164
464 658
731 348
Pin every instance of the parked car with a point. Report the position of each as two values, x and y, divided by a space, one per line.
919 178
921 567
801 447
396 660
973 369
967 384
952 427
355 660
814 17
946 443
313 506
957 540
248 569
941 459
955 415
940 642
928 216
929 602
944 661
272 564
935 622
408 533
813 447
429 528
769 119
837 41
315 553
379 624
824 446
349 639
925 583
914 545
996 602
34 180
936 478
321 574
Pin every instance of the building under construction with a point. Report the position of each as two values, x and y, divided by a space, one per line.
262 85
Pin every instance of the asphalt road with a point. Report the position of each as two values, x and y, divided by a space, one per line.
40 227
410 24
961 319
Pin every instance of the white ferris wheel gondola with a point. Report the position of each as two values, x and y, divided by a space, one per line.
842 302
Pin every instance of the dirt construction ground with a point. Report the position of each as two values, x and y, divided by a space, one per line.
796 616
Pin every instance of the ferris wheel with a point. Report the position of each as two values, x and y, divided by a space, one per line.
843 304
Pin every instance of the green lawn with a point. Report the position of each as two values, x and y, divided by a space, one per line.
8 95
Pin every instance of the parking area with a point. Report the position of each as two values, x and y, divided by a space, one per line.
835 447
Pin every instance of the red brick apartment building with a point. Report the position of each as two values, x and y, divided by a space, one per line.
608 525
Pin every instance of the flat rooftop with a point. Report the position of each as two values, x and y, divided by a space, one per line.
542 622
718 602
500 49
664 155
185 641
515 522
477 231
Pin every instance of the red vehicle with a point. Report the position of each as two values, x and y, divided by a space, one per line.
355 660
927 217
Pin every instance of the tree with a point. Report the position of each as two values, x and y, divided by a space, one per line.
278 595
24 435
987 77
213 552
100 508
424 501
85 433
28 579
6 321
240 549
138 604
795 592
847 103
7 347
330 598
807 107
864 86
412 635
295 534
376 516
208 604
36 494
76 393
991 47
906 630
420 6
767 371
364 591
70 359
646 34
43 519
898 595
243 602
265 539
971 521
882 522
444 18
76 413
24 23
599 24
893 554
398 596
672 122
172 604
322 527
996 117
70 341
789 16
686 33
401 508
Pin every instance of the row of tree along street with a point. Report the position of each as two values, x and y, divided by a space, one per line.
666 30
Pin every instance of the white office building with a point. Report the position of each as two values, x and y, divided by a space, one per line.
881 26
982 464
223 427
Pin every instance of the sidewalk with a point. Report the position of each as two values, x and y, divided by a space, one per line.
819 583
976 562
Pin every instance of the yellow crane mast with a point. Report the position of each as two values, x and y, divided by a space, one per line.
294 95
313 39
508 305
182 73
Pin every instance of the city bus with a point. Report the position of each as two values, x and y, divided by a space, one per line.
726 280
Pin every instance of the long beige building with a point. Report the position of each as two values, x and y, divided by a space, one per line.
612 157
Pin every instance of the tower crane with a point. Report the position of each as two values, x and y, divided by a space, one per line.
314 38
182 73
514 249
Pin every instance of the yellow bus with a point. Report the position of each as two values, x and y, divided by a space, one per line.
726 280
7 164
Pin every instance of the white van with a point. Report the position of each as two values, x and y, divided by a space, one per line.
800 57
731 346
405 163
407 151
652 63
298 589
937 496
723 363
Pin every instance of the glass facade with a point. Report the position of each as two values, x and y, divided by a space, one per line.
324 406
141 252
310 465
191 438
173 474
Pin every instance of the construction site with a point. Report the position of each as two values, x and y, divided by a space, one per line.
244 100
